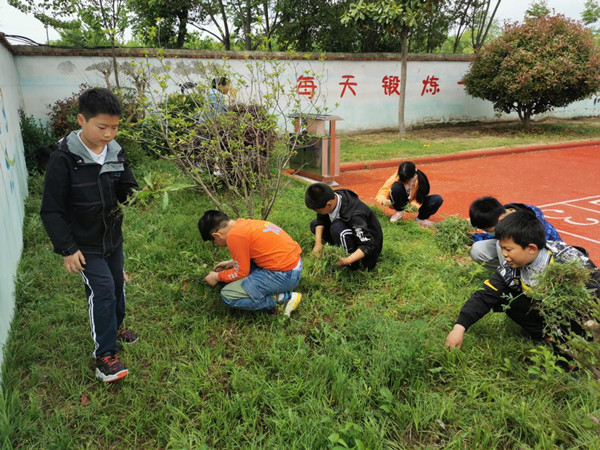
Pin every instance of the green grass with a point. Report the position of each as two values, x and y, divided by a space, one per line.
361 363
442 140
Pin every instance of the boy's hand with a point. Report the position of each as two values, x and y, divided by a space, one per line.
455 337
342 262
74 263
386 202
224 265
212 279
317 249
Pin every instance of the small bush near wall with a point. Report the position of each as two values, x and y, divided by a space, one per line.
63 120
63 113
35 135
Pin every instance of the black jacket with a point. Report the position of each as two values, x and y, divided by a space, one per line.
364 223
504 291
80 208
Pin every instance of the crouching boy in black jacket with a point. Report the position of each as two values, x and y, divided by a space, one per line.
342 219
86 179
527 253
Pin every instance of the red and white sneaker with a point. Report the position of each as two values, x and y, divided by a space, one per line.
127 336
109 368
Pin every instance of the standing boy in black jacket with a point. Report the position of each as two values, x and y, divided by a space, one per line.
526 254
342 219
86 179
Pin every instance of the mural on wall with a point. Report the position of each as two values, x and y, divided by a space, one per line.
9 163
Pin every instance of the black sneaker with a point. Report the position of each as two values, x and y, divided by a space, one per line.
127 336
109 368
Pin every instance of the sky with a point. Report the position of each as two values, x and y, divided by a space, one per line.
12 21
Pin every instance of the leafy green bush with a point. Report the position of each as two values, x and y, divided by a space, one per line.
63 113
35 135
543 63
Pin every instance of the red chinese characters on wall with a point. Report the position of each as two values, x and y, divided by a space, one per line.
390 84
430 85
348 84
306 86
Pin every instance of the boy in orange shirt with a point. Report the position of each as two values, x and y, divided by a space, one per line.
265 266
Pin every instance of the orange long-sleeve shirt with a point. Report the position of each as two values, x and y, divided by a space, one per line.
260 241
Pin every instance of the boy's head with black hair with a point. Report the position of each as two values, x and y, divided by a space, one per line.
221 83
211 223
99 115
96 101
320 198
485 213
406 171
521 237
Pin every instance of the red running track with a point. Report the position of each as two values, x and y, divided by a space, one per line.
564 183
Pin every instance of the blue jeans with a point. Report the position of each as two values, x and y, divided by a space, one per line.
105 291
260 288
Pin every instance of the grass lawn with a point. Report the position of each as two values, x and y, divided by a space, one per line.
442 140
361 363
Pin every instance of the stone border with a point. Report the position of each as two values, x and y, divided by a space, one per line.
368 165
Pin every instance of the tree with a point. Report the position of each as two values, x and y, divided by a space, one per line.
213 18
591 15
483 19
45 12
591 12
104 17
430 35
538 8
541 64
399 17
314 26
162 23
474 16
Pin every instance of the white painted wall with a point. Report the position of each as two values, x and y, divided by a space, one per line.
13 189
45 79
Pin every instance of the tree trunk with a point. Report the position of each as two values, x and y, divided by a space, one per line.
182 31
248 25
226 34
526 119
401 100
115 64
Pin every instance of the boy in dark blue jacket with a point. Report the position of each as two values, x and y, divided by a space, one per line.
484 214
86 179
343 219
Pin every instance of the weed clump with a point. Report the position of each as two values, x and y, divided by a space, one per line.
324 265
453 235
567 306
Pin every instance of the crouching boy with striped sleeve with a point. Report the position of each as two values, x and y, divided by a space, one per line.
526 254
265 264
